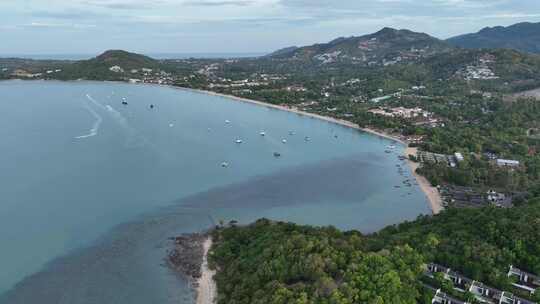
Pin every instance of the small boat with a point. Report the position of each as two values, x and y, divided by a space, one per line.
391 147
227 121
125 103
387 151
224 164
291 133
151 106
238 141
307 138
262 133
171 125
277 154
284 141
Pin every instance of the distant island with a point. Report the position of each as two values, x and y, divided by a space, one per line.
469 116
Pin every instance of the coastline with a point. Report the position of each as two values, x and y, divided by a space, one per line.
432 193
206 286
299 112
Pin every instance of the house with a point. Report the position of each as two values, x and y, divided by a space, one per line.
525 281
116 69
508 298
507 163
461 283
442 298
21 73
485 293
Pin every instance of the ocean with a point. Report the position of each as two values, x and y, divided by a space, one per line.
92 189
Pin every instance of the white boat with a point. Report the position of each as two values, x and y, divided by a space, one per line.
171 125
224 164
284 141
391 147
291 133
262 133
227 121
238 141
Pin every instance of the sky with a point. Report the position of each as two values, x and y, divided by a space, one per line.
233 26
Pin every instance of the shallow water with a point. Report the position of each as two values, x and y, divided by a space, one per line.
92 189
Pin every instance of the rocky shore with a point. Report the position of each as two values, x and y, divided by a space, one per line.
187 256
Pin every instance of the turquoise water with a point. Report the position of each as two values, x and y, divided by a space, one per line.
92 189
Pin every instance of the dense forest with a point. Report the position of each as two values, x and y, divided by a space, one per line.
274 262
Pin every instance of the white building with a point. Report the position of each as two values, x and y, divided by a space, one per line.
116 69
507 163
459 157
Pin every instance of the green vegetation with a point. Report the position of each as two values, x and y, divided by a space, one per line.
269 262
523 36
98 68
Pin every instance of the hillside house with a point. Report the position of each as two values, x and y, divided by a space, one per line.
116 69
442 298
525 281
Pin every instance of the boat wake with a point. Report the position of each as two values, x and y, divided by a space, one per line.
97 123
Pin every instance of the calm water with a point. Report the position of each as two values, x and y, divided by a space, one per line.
92 189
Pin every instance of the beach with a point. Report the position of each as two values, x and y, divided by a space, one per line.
432 193
206 286
341 122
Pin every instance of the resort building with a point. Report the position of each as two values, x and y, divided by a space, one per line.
507 163
482 293
525 281
442 298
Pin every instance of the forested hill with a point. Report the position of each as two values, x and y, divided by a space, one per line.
523 37
269 262
100 67
386 44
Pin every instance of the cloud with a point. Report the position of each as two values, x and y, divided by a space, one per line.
66 14
219 3
60 25
121 4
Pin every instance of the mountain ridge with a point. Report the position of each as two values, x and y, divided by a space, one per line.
524 37
383 46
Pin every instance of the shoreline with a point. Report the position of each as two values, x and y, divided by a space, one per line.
206 286
329 119
432 193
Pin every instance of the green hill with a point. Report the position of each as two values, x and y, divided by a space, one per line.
523 37
111 65
386 45
269 262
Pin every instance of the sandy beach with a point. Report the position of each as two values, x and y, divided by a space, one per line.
206 286
432 193
299 112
